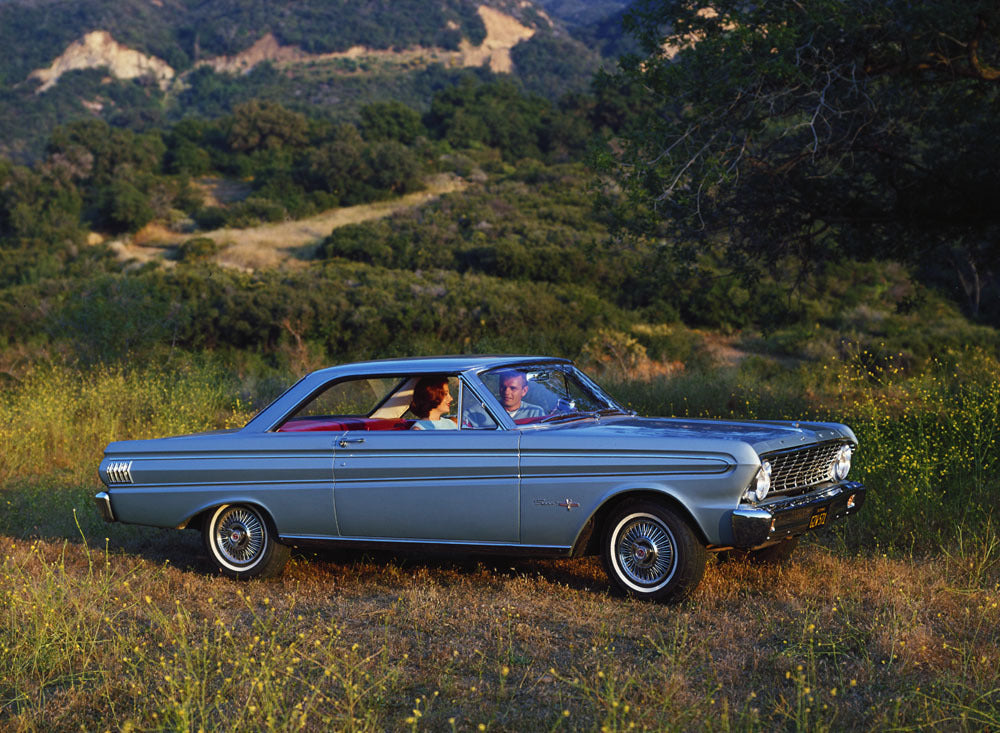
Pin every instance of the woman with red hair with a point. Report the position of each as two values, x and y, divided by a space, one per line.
431 400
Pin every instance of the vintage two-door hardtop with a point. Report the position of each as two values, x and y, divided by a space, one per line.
335 460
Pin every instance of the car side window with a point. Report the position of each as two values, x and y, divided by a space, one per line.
349 398
383 403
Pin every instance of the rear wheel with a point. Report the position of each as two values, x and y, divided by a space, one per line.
241 540
650 552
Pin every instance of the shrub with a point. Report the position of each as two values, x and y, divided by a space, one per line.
197 249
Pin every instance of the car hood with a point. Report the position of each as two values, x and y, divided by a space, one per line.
763 436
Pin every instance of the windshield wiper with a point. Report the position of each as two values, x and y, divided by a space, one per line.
611 411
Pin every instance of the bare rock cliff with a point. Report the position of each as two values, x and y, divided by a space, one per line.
98 49
502 34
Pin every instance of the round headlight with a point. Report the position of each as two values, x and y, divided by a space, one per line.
841 463
763 484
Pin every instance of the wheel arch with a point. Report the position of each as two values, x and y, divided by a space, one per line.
588 541
197 520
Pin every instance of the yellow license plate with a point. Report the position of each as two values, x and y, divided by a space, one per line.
818 519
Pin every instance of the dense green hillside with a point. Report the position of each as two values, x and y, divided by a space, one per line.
413 50
522 259
183 33
533 229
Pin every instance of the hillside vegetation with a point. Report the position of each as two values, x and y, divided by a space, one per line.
523 258
203 59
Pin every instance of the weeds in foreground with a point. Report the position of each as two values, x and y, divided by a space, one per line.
100 639
60 418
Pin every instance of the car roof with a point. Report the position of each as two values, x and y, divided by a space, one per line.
433 364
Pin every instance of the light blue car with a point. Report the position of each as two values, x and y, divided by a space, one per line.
538 460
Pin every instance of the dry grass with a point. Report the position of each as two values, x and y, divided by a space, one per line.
122 638
283 244
56 418
292 243
222 191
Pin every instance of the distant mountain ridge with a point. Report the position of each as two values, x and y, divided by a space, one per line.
98 49
141 63
184 32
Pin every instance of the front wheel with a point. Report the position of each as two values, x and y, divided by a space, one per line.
650 552
241 540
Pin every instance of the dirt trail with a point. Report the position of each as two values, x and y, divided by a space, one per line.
284 244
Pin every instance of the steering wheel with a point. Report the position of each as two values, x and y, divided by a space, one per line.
475 420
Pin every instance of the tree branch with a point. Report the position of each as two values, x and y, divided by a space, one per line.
987 73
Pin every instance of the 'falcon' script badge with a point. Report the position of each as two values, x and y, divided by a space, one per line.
566 504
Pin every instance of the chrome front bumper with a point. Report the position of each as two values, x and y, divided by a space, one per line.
103 501
755 526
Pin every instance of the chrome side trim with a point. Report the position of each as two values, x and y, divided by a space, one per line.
505 548
103 502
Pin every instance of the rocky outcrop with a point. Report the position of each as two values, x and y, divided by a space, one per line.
265 49
98 49
502 34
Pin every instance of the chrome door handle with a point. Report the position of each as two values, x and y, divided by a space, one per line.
345 441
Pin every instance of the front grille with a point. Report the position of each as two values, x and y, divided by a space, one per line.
797 470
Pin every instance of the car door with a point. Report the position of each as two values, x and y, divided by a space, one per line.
429 485
454 485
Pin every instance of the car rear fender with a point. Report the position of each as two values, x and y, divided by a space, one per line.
197 519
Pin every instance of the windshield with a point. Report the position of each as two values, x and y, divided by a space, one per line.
547 392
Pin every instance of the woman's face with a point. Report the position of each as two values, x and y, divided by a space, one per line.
445 404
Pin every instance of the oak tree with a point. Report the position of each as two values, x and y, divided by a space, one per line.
793 132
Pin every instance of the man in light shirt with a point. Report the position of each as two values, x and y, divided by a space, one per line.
512 388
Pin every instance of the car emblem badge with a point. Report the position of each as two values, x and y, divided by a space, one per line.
566 504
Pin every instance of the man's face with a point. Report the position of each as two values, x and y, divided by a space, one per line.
512 391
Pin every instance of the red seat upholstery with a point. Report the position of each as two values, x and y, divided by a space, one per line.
330 424
528 420
396 423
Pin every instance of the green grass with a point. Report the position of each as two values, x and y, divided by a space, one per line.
56 417
891 622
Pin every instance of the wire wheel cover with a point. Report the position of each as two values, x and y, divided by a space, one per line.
240 536
645 550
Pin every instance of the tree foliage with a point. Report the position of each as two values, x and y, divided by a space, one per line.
391 121
258 125
496 115
794 132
